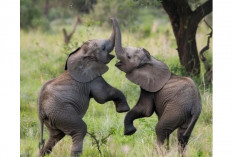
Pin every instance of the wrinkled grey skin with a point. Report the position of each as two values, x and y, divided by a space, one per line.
63 101
174 99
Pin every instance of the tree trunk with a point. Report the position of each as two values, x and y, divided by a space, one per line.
46 8
187 50
184 23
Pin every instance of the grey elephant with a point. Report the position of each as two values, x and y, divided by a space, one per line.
63 101
174 99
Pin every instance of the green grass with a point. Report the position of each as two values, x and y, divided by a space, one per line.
43 57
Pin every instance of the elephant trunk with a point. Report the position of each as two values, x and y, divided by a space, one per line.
110 41
118 45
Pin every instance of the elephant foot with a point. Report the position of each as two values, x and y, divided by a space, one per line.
122 107
76 154
129 130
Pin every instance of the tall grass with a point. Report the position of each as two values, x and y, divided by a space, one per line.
43 57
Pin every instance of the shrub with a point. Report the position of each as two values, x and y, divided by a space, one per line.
28 12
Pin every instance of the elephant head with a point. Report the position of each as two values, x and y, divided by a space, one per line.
89 61
140 67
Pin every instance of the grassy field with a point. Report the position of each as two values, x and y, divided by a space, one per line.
43 57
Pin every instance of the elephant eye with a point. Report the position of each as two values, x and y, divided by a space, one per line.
128 57
103 47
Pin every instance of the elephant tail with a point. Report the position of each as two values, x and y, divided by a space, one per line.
191 125
41 143
196 111
41 119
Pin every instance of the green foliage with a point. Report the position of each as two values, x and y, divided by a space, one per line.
100 139
29 12
195 3
130 13
105 9
32 12
176 68
83 6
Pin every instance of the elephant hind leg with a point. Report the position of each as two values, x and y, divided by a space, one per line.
77 138
163 134
182 139
168 141
75 127
54 137
165 126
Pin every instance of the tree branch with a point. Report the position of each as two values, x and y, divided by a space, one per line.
202 11
202 57
208 68
75 25
68 37
184 7
96 141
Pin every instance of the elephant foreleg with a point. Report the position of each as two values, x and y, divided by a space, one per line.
119 100
144 108
102 92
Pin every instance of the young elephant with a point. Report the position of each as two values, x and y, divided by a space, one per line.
63 101
175 99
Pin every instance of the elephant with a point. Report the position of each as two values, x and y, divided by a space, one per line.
64 100
175 99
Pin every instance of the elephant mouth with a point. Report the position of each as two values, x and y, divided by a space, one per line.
118 64
110 56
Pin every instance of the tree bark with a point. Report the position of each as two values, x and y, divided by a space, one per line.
184 23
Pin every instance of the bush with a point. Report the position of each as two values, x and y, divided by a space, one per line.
28 12
122 9
31 16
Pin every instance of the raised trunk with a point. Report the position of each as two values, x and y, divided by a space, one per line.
118 43
111 40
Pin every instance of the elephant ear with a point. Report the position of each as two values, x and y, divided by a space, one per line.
66 64
84 68
151 76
